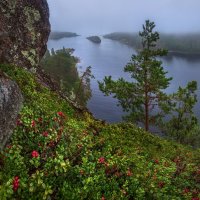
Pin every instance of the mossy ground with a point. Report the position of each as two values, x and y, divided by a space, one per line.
58 153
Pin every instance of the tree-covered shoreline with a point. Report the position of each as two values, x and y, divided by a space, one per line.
177 44
56 35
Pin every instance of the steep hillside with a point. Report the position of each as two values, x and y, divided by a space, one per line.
57 152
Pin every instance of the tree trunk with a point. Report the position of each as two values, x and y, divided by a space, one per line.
146 103
146 112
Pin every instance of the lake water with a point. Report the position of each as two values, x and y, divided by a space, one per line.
109 58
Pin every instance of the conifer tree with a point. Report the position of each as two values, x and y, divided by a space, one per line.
141 96
181 123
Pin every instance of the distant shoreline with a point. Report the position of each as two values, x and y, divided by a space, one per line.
181 53
170 52
167 42
56 35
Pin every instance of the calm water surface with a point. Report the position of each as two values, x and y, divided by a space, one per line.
109 58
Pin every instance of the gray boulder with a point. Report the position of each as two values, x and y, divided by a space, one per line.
10 104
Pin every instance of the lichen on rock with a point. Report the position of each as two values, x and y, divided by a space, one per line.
24 31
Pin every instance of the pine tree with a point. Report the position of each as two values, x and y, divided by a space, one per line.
182 123
141 96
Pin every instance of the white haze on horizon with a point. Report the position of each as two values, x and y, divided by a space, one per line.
105 16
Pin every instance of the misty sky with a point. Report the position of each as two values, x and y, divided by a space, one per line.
105 16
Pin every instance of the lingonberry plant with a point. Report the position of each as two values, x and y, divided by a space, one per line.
55 153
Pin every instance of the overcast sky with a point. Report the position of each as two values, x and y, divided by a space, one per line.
105 16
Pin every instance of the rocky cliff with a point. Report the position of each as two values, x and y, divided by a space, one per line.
24 31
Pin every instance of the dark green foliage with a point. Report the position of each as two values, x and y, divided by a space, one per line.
142 95
95 39
61 65
131 39
60 35
83 91
182 124
180 43
185 43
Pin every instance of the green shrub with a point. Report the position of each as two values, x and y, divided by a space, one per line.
55 155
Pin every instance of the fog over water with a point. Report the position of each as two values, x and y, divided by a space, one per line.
104 16
88 17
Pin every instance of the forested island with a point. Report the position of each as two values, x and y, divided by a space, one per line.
182 44
55 35
95 39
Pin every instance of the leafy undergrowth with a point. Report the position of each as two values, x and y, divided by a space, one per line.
55 154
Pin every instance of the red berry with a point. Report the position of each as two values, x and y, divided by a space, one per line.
33 123
101 160
35 154
19 122
61 114
103 198
16 183
45 134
